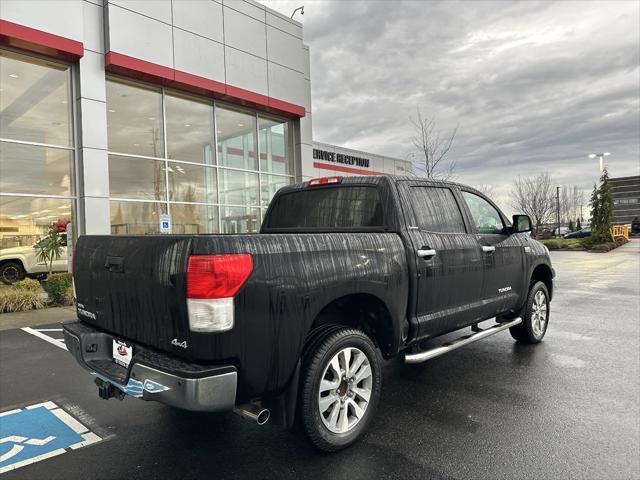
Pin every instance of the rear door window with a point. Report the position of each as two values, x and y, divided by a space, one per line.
436 210
327 208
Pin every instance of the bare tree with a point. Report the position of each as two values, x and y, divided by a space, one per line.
432 148
535 196
487 189
571 199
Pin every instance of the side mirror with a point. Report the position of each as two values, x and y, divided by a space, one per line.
521 224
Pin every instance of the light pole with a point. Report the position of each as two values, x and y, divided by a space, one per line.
558 211
600 156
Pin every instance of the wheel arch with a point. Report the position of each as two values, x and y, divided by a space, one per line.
543 273
19 260
366 312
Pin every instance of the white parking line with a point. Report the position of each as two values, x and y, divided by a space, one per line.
46 338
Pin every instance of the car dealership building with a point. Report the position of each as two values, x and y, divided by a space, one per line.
114 113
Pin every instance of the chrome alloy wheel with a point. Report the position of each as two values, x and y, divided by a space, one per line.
539 313
345 390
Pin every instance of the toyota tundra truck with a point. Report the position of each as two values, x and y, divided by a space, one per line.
293 323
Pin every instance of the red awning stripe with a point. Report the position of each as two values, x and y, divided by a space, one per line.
151 72
37 41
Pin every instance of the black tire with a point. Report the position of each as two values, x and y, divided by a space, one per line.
530 331
11 272
328 343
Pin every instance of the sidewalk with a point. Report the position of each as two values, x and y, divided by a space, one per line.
34 318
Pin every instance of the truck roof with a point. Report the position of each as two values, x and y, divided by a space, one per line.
378 180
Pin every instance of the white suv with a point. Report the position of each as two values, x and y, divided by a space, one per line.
18 262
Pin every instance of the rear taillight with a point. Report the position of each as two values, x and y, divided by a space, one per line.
314 182
212 282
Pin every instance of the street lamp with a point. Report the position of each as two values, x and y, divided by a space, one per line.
600 156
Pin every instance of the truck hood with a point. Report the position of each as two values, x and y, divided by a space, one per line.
17 251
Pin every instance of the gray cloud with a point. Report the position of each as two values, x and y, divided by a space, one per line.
531 86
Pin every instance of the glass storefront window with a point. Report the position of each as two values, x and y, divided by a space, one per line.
236 139
194 219
269 185
240 219
24 220
35 100
238 188
137 178
272 135
189 129
35 108
200 160
134 119
35 170
192 183
128 218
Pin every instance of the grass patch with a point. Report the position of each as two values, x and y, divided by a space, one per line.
28 294
564 244
593 246
28 284
19 300
581 244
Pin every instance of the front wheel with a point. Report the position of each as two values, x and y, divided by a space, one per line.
341 382
11 272
536 316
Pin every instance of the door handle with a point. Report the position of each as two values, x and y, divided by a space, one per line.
490 249
426 252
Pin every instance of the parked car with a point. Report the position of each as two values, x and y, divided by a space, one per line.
16 263
543 234
292 322
563 231
582 233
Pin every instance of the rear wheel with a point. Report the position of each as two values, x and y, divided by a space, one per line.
341 381
536 316
11 272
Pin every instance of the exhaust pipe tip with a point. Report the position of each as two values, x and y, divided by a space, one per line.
263 417
253 412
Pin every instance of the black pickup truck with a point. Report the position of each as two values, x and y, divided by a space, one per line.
293 322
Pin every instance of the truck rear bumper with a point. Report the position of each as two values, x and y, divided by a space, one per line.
152 375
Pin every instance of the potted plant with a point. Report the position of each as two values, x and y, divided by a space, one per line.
50 247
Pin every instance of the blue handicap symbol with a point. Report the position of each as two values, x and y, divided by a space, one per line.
33 432
165 224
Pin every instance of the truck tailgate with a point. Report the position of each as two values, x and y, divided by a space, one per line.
134 286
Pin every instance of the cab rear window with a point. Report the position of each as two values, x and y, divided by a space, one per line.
327 208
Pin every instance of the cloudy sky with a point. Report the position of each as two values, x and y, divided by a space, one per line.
531 86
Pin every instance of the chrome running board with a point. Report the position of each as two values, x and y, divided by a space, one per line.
459 342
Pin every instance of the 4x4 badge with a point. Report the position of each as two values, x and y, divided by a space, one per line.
176 343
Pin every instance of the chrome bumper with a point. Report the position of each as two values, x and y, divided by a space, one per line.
184 385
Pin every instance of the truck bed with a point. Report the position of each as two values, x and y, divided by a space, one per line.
134 287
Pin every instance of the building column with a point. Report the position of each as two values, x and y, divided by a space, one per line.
93 161
304 139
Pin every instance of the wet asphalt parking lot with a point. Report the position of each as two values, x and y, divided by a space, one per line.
567 408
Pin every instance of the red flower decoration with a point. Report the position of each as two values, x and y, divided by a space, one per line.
60 225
